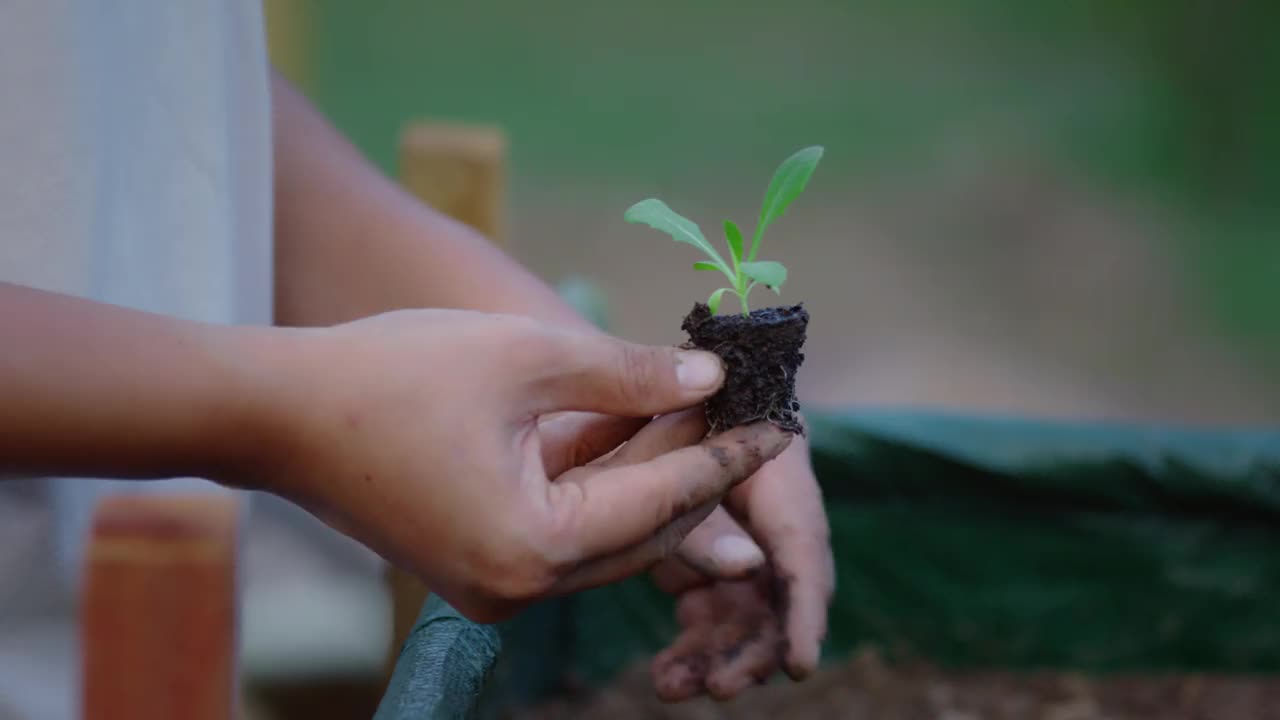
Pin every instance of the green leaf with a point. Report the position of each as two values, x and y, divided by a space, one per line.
713 302
704 266
734 236
788 182
657 215
766 272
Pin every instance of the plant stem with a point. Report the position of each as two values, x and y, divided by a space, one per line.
746 309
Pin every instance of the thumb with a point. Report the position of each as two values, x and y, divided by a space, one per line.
602 374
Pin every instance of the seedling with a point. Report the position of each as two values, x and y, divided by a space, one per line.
743 270
761 350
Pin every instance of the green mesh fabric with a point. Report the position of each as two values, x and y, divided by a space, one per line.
442 667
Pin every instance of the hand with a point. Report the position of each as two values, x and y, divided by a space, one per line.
424 435
745 613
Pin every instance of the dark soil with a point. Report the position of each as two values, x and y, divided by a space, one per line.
866 688
761 353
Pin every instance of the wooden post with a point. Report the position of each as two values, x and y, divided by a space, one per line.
288 31
460 171
159 612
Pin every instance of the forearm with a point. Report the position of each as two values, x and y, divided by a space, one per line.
98 390
350 243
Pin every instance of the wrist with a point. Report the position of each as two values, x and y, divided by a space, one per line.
251 406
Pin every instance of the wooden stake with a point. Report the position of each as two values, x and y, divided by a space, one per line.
460 171
159 611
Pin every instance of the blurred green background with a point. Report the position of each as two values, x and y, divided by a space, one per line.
1054 208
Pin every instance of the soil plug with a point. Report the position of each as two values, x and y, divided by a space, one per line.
761 349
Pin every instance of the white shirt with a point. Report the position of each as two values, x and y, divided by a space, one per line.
135 168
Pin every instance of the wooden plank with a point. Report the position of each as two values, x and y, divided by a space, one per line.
460 171
159 609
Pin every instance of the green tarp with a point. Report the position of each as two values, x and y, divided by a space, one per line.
998 542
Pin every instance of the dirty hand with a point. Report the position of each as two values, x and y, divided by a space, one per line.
743 612
425 435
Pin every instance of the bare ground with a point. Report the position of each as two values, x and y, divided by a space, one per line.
866 688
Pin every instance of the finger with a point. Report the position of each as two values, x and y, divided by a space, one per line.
664 434
803 594
616 508
575 439
634 560
745 662
699 607
782 505
680 672
746 644
674 576
599 373
721 549
745 656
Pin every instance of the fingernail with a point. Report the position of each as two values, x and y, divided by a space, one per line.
698 371
734 551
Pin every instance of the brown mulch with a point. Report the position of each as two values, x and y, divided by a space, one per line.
866 687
